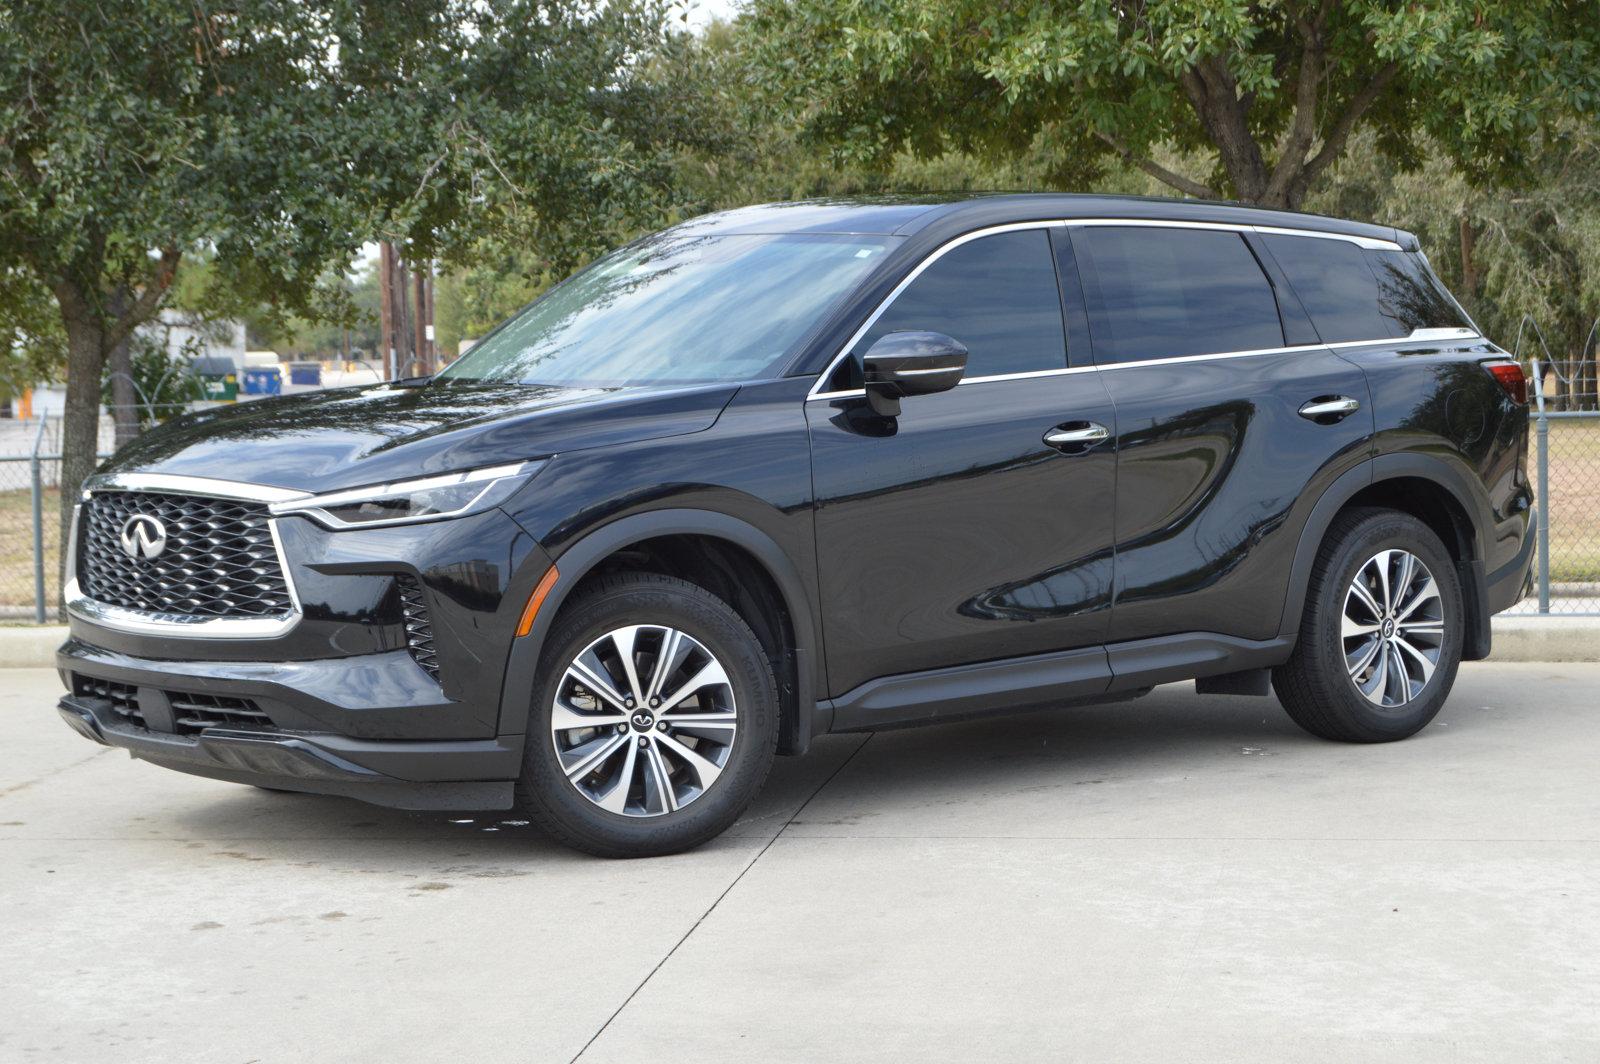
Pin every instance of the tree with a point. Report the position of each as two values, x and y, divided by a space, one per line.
274 137
1270 92
1526 264
130 137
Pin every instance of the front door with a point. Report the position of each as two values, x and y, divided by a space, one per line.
955 533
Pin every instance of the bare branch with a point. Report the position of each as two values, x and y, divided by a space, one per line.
1333 143
148 300
1214 94
1302 130
1167 177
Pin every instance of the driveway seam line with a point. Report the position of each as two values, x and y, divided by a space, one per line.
16 788
725 892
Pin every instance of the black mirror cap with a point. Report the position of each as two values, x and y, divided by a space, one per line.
911 363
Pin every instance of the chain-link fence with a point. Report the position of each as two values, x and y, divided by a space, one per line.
30 508
1566 484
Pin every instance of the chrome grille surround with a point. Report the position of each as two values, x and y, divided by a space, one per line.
222 574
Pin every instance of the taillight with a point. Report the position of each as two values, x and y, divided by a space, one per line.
1511 378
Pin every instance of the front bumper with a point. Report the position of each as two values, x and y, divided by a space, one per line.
285 748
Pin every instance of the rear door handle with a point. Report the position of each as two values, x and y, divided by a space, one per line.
1077 436
1330 408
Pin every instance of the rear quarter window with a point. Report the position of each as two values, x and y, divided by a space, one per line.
1336 285
1410 295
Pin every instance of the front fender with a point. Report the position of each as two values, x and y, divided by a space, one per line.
583 554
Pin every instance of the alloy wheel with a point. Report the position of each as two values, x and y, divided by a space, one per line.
644 720
1392 630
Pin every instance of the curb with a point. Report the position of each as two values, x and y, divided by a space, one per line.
1554 639
1516 638
30 647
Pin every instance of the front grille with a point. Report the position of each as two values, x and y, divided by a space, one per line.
193 713
124 698
218 559
418 625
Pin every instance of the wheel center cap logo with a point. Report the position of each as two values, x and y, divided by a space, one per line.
143 535
1388 627
643 720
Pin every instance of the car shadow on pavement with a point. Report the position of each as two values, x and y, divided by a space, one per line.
1138 737
1172 731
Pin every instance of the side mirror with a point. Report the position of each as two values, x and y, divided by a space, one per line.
910 363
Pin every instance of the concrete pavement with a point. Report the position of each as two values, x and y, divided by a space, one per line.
1177 878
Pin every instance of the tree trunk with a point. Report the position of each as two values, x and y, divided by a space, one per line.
1469 265
80 424
124 394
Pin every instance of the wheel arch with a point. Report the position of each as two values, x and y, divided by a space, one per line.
1428 488
794 664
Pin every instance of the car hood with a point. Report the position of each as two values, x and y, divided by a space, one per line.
349 437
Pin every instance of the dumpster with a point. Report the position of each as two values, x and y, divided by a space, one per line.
263 380
218 376
305 374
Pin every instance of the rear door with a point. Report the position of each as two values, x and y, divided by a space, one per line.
1221 454
955 533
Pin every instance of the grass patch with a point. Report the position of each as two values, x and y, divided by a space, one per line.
16 546
1574 503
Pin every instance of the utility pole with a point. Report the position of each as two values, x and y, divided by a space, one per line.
423 364
386 345
402 319
433 337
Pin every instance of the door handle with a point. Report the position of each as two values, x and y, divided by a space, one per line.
1077 435
1330 408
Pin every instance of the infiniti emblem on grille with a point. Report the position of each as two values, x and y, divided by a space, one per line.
143 534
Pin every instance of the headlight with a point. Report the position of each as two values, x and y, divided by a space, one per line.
409 501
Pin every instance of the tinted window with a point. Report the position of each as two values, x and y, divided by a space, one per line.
674 309
1155 292
997 295
1411 295
1335 285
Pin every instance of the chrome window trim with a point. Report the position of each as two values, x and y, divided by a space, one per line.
1371 243
1416 335
1368 242
181 625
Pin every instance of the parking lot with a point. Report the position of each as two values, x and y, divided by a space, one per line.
1177 878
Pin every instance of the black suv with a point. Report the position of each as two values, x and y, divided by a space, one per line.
820 467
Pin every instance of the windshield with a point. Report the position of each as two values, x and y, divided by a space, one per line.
675 310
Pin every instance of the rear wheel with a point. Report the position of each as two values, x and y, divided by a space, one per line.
1382 632
655 719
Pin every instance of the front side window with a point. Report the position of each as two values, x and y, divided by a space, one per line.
1165 292
997 295
675 310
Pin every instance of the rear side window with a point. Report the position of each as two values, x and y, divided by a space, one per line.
1335 285
997 295
1410 295
1156 292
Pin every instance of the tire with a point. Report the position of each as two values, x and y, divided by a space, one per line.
1374 704
735 732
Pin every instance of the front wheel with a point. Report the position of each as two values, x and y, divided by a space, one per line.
655 719
1382 632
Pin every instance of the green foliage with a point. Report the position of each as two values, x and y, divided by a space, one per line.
32 347
1535 250
162 381
1268 92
